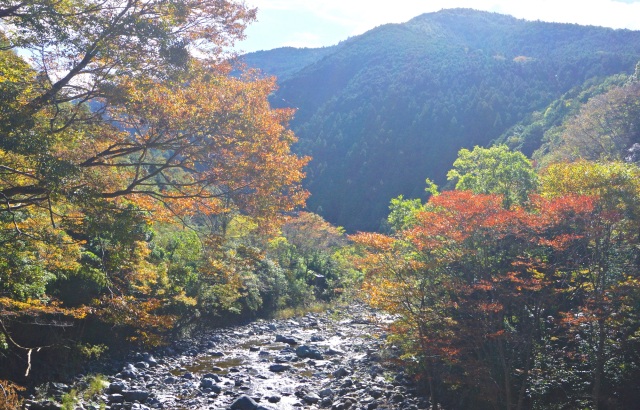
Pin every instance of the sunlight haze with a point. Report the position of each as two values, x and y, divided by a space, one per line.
297 23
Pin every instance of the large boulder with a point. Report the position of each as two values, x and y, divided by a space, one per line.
286 339
136 395
244 402
308 352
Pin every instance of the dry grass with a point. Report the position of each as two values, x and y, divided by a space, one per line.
288 313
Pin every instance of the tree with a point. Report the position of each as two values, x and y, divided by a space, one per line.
402 211
472 283
214 147
80 48
512 305
306 251
606 128
603 317
126 116
494 170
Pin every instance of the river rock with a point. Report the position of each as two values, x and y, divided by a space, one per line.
171 380
373 405
334 352
278 368
136 395
341 372
211 385
115 398
141 365
397 397
286 339
58 389
341 405
308 352
129 372
44 405
244 402
212 376
148 358
117 387
325 393
294 377
274 399
376 392
311 398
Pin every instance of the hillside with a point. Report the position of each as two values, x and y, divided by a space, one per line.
286 61
385 110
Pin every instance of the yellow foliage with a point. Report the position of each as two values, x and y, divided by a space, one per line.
9 399
35 307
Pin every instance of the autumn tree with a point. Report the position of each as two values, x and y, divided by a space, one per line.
306 251
473 284
123 116
81 48
515 304
606 128
602 319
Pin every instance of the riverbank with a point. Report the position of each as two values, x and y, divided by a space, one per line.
335 360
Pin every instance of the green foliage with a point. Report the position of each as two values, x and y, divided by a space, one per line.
69 400
431 187
91 351
542 127
605 128
95 386
495 170
402 212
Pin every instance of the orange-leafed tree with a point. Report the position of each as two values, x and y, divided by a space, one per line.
128 116
194 151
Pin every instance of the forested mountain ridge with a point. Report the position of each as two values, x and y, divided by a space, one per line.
286 61
382 111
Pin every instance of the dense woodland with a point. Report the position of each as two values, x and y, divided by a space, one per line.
150 185
381 111
143 190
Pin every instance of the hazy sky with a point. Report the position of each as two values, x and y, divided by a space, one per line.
317 23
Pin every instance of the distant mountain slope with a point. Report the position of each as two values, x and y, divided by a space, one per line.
532 135
286 61
387 109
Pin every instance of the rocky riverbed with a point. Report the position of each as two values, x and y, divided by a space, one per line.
331 360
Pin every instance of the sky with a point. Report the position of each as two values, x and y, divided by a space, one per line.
319 23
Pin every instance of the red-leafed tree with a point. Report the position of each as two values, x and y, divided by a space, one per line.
473 283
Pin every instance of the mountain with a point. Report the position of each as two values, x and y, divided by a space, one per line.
382 111
285 61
